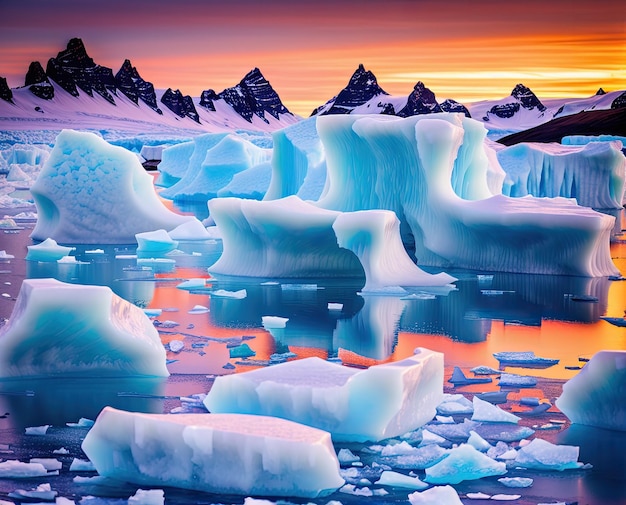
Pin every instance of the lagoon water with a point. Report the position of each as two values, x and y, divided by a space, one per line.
486 312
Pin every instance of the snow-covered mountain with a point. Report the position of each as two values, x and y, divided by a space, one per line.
75 91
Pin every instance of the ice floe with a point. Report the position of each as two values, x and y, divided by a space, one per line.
48 250
463 463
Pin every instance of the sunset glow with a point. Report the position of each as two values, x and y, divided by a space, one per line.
468 51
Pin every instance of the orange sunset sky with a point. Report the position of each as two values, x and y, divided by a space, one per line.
466 50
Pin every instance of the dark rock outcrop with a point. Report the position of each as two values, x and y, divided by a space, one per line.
361 88
180 105
600 92
5 92
38 82
73 68
253 95
504 111
421 101
129 82
619 102
527 98
450 105
207 98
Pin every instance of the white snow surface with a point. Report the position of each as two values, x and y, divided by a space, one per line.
353 405
272 457
595 396
439 152
72 330
92 192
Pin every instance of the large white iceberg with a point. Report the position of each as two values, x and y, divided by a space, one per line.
596 396
58 329
353 405
293 238
218 453
371 160
593 174
92 192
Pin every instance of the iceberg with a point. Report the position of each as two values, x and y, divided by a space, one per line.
59 329
154 243
486 412
489 233
524 358
463 463
396 479
517 381
293 238
273 457
91 192
593 174
542 455
353 405
595 396
48 250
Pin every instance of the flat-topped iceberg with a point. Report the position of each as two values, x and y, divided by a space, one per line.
217 453
58 329
91 192
353 405
293 238
595 397
437 155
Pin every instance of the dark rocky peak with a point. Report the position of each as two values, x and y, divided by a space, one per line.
253 95
38 82
207 98
421 101
129 82
450 105
74 68
361 88
619 102
527 98
180 105
5 92
600 92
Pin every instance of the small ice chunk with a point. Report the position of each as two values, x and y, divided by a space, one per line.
195 283
542 455
6 256
355 491
241 351
445 419
237 295
485 411
37 430
156 242
176 345
505 432
520 381
478 442
274 322
525 358
12 469
147 497
276 457
428 437
508 455
152 312
506 497
459 379
396 479
455 432
455 406
41 492
463 463
335 306
62 451
198 309
82 465
347 457
48 250
82 423
485 370
49 464
516 481
437 495
478 496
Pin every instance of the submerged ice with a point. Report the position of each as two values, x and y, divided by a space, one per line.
353 405
218 453
59 329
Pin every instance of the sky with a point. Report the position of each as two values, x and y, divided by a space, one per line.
465 50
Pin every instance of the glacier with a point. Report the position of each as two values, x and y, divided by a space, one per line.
293 238
69 330
595 396
91 192
353 405
594 174
440 228
218 453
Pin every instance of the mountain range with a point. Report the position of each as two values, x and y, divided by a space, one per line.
74 89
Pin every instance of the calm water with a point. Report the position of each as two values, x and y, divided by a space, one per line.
486 312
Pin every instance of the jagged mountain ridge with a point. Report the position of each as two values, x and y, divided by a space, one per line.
75 72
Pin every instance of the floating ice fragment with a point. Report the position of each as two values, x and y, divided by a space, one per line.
519 381
437 495
41 492
276 457
347 457
459 379
395 479
12 469
199 309
48 250
176 345
494 397
190 230
82 423
147 497
82 465
241 351
505 432
595 396
61 451
96 333
485 411
455 405
478 496
428 437
192 284
478 442
37 430
542 455
5 256
355 491
152 312
272 322
357 405
506 497
463 463
166 324
156 242
222 293
445 419
335 306
526 358
516 481
485 370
